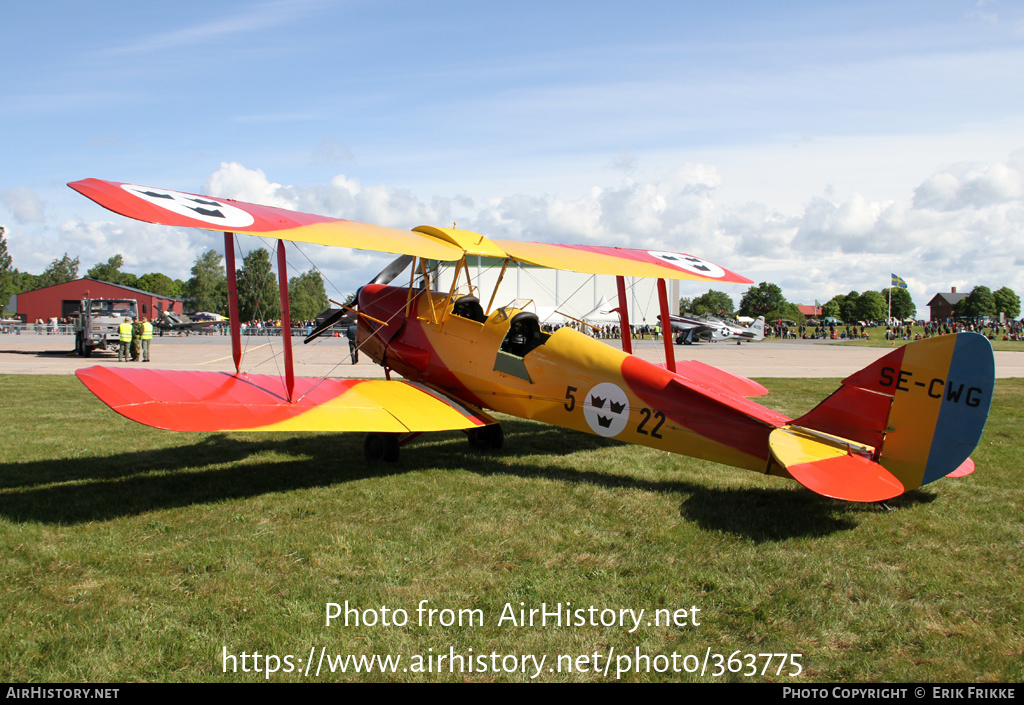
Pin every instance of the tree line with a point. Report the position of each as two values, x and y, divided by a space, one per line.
766 299
205 290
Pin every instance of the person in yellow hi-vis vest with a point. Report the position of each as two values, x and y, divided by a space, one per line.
147 336
124 336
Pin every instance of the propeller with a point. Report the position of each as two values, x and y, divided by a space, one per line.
386 276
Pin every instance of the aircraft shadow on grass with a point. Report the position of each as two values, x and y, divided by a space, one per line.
222 466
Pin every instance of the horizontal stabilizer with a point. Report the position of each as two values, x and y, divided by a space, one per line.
831 466
219 401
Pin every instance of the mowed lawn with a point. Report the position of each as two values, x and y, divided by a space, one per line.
131 554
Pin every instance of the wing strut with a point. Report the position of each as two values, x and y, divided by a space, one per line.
236 334
625 332
666 330
286 320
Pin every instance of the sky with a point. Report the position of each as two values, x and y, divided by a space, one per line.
816 145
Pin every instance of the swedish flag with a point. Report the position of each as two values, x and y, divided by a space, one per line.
897 281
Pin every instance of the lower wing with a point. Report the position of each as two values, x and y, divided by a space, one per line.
220 401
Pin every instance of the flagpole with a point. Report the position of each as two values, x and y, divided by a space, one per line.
888 316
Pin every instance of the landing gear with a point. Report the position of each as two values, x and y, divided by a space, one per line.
489 437
381 447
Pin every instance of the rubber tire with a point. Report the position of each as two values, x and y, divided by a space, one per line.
379 447
490 437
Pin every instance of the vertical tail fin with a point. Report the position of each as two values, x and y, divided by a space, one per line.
757 327
922 407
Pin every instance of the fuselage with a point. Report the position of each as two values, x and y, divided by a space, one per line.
502 361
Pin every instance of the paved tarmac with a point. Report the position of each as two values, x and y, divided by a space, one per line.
328 357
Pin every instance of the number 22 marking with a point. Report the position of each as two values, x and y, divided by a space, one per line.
658 415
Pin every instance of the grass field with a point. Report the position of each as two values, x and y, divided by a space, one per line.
131 554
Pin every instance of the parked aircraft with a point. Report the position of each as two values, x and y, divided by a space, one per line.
910 418
173 322
726 331
688 330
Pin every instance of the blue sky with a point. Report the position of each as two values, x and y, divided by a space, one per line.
815 145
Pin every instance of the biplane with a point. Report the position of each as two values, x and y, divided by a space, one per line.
908 419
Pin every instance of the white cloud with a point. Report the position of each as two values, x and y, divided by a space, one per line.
233 180
962 227
972 186
24 205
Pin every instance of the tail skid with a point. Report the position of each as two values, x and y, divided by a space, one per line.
908 419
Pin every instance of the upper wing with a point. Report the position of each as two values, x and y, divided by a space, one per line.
157 205
220 401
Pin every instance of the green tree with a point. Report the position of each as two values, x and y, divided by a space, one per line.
23 281
765 299
1007 302
848 307
980 302
903 306
258 294
60 271
161 284
833 307
685 305
793 313
6 273
306 296
207 290
871 306
715 303
109 271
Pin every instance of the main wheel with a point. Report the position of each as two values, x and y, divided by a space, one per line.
490 437
381 447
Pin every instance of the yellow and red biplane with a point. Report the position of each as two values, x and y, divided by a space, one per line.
910 418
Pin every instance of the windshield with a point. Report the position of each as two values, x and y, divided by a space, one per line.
113 308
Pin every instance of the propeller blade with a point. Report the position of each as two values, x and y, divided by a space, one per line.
328 322
393 270
385 277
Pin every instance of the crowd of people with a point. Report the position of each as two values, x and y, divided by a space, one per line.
993 330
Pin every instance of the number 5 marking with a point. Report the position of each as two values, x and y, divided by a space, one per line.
571 404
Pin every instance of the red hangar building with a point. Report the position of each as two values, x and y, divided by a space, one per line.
60 300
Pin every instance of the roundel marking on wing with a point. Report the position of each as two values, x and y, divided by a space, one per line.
689 263
208 210
606 409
